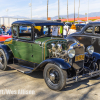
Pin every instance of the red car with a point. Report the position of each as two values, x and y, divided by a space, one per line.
4 37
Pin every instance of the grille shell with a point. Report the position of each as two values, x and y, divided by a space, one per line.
79 50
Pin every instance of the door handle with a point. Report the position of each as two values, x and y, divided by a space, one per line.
93 38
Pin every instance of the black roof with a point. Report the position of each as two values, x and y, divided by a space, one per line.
80 24
38 22
94 23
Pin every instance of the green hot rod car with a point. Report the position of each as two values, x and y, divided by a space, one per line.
38 45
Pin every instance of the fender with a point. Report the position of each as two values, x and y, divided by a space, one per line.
7 51
97 56
72 39
57 61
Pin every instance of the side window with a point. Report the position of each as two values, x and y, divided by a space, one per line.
25 32
38 31
97 30
89 29
14 31
45 29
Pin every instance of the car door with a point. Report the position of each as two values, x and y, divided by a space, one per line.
86 36
23 44
97 38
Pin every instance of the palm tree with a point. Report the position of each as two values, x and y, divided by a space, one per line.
58 9
74 11
78 9
47 9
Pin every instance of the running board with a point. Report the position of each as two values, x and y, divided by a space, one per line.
21 68
82 77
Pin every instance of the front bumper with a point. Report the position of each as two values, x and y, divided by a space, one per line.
82 77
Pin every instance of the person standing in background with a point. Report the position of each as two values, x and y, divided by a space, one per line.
3 27
72 29
65 31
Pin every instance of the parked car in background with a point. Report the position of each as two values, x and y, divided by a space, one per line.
3 36
9 32
1 30
68 24
89 35
61 61
79 27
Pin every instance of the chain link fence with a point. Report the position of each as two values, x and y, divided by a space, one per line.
7 21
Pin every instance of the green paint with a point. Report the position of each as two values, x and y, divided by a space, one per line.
32 52
43 39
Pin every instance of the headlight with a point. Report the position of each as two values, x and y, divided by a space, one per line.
90 49
71 53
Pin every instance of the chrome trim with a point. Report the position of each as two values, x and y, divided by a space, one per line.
59 45
71 53
75 45
52 76
89 48
82 77
53 45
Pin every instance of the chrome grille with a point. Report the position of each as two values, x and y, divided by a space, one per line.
79 50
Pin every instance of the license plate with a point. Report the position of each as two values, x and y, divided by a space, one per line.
79 58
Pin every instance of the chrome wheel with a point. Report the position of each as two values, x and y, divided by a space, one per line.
53 76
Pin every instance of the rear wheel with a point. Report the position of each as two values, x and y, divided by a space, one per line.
54 77
3 60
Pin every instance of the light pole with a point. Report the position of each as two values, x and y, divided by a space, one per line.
47 9
7 16
30 5
58 9
78 9
7 11
88 11
67 10
74 11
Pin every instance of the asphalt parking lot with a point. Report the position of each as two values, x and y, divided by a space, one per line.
14 80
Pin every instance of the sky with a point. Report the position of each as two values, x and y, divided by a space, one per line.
39 7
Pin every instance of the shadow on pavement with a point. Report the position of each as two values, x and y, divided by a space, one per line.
37 74
77 84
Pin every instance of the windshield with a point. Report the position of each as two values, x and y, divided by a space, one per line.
45 31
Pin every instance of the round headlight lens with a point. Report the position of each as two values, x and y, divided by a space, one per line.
71 53
90 49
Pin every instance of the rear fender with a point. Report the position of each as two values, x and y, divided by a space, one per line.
7 52
97 56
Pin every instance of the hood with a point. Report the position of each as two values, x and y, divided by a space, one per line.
45 39
77 33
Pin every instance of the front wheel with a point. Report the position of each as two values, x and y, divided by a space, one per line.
54 77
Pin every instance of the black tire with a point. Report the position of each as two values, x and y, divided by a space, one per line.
97 64
60 77
3 60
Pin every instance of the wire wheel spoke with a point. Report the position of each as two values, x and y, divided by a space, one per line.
53 76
